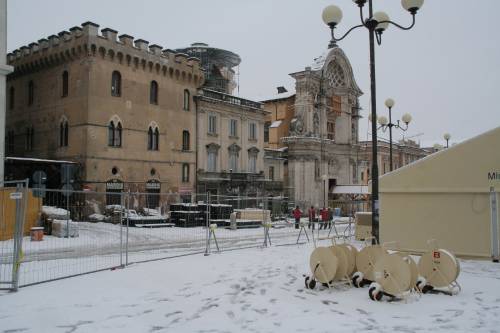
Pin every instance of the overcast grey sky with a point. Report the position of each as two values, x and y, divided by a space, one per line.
445 71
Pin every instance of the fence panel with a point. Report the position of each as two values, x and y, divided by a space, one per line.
82 235
174 225
13 198
87 231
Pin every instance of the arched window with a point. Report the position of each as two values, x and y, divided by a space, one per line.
150 138
114 134
186 99
111 133
31 92
10 144
30 138
65 83
185 173
153 138
116 84
153 93
12 98
156 139
185 140
63 133
118 135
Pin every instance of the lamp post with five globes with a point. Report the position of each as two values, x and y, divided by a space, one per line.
388 124
376 24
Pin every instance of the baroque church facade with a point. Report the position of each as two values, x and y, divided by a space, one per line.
321 136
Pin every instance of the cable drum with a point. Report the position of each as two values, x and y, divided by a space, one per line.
351 258
323 264
366 259
393 273
342 261
439 267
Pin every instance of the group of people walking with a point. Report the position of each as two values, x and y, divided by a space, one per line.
324 216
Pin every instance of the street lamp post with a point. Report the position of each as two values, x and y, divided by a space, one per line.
388 124
376 24
447 137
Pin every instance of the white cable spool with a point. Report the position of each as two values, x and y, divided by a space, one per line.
323 264
342 265
439 267
392 272
366 259
351 258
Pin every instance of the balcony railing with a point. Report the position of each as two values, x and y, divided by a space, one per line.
231 99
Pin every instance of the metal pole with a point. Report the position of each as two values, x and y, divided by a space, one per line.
324 192
375 216
390 139
495 246
207 247
127 229
19 232
67 216
122 203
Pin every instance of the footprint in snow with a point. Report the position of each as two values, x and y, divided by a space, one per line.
328 302
363 312
172 314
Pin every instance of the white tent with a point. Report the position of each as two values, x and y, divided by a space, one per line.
445 196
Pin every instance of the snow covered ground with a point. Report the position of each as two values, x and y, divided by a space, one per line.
251 290
104 245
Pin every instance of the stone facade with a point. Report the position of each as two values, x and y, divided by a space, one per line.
403 152
230 145
322 134
69 91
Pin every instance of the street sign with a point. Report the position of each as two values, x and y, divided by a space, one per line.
16 195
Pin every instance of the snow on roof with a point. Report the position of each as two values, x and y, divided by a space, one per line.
274 97
37 160
350 189
275 124
319 62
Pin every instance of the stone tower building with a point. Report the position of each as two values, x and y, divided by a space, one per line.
122 109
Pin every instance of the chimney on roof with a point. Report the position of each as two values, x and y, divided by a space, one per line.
281 90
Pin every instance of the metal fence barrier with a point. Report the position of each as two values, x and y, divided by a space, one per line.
56 234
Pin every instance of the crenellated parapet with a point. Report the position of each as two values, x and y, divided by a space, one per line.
87 42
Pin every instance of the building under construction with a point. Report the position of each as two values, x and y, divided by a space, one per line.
218 65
